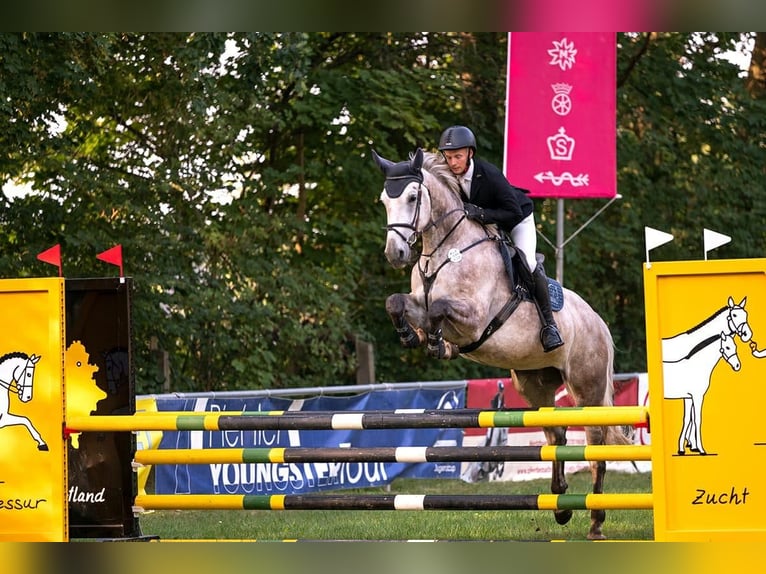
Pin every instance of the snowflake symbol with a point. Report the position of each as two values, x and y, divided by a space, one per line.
563 54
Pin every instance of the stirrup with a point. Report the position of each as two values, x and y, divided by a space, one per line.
550 338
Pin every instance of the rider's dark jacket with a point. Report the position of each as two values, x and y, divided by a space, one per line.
503 204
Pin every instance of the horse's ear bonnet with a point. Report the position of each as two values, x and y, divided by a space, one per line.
399 175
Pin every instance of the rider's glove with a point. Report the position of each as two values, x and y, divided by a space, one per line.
474 212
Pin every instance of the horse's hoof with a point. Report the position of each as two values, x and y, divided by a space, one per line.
563 516
596 536
42 447
681 452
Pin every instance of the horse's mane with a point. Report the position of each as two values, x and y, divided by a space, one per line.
13 355
706 321
436 166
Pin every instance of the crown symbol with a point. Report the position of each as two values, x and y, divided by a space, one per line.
561 146
561 88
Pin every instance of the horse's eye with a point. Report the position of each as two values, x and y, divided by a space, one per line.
412 198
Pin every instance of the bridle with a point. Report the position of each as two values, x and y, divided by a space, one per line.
18 387
432 223
733 328
412 226
454 256
726 357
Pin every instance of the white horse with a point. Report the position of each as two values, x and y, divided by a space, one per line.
462 304
731 319
688 378
17 373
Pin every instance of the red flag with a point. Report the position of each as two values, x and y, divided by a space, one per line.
52 256
113 256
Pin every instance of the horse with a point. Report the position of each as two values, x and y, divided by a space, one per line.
17 373
464 303
730 319
688 361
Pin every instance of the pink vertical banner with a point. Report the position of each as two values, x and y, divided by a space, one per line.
560 136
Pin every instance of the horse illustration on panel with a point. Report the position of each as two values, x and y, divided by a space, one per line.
730 319
17 373
467 301
688 362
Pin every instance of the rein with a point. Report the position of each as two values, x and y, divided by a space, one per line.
703 344
12 386
455 256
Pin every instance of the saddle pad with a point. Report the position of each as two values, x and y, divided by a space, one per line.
556 294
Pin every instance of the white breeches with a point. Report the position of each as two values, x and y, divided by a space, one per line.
524 236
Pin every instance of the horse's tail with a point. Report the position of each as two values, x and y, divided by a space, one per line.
621 435
616 435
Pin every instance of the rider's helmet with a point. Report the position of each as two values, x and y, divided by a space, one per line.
457 137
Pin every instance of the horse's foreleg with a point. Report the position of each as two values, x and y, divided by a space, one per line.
687 432
410 337
11 420
438 347
697 424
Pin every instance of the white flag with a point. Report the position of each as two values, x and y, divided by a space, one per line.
655 238
713 239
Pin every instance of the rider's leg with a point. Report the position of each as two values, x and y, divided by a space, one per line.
524 236
549 334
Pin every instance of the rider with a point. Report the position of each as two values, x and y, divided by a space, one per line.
490 198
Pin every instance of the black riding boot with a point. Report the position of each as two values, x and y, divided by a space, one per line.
549 334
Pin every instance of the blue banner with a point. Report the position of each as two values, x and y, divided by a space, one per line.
299 478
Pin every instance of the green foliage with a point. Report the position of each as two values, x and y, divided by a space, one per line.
234 169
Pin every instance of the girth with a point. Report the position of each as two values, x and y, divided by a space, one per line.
497 321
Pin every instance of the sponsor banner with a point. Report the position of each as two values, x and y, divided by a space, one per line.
499 393
299 478
146 440
561 114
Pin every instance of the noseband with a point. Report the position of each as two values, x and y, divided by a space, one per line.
726 357
734 329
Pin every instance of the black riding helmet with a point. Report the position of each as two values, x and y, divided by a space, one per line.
457 137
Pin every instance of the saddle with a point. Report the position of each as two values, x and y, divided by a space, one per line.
520 279
520 283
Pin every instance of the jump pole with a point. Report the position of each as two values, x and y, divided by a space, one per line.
405 419
634 501
394 454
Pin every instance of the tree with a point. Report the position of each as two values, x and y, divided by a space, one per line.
235 171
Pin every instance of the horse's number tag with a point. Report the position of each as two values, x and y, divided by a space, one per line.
455 255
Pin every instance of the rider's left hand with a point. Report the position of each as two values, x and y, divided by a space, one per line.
474 212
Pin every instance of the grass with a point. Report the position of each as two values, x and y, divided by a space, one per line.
522 525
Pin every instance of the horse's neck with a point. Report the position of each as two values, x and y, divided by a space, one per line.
9 372
712 327
677 347
703 360
448 227
710 355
